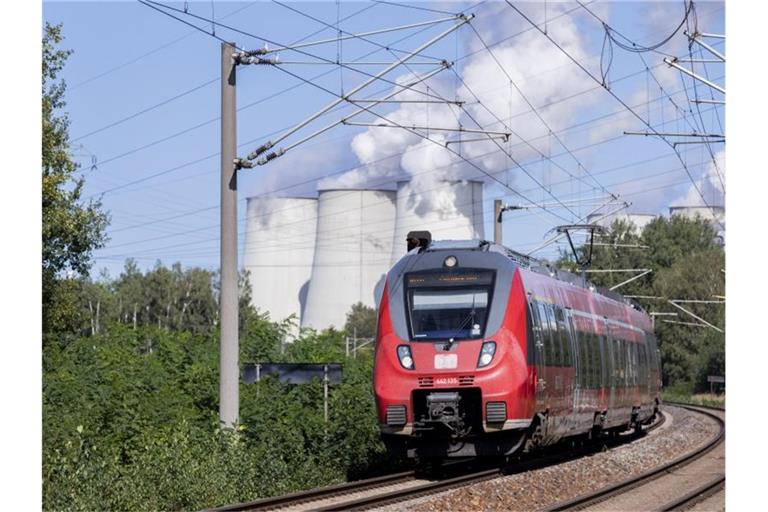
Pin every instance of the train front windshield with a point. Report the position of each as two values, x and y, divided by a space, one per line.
448 305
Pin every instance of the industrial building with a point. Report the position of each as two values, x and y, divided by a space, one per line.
639 220
714 215
279 250
315 258
352 246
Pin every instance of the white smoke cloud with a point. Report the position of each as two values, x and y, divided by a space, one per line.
541 71
711 184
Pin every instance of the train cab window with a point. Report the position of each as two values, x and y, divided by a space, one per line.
448 305
448 313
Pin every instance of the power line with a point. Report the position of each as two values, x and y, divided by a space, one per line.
294 243
188 91
401 126
533 109
690 176
257 102
398 154
416 7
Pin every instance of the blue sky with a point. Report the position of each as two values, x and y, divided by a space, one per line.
128 58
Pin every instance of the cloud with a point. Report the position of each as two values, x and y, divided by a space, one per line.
711 184
545 78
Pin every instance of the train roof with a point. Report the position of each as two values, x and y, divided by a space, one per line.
529 263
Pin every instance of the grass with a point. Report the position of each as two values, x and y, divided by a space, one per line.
705 399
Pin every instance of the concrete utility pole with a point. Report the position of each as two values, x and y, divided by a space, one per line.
229 377
497 221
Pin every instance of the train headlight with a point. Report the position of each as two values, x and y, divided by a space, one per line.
486 354
405 357
450 261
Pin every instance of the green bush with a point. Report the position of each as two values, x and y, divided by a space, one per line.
130 421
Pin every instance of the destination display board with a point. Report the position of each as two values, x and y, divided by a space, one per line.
292 373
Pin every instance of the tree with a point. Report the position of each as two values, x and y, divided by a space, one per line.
361 321
686 263
71 228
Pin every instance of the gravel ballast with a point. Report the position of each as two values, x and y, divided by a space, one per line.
540 488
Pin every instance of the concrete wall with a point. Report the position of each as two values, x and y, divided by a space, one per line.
279 248
351 256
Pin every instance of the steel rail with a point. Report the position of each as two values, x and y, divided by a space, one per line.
557 456
540 461
319 493
696 496
586 500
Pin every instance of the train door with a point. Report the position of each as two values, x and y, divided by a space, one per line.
540 360
566 360
645 365
576 362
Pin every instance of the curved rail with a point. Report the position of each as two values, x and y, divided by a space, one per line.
547 459
319 493
697 495
585 500
540 461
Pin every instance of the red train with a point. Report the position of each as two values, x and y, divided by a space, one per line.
482 351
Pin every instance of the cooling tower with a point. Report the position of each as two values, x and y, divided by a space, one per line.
452 211
279 246
354 241
640 220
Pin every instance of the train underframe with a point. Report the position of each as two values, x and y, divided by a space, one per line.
449 424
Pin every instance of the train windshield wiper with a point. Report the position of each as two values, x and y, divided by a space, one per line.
470 317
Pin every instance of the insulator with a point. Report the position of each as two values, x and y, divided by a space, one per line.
271 156
264 147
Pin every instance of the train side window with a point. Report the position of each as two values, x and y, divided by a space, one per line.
557 349
587 357
564 338
545 334
596 366
591 356
620 363
603 361
627 381
635 365
583 359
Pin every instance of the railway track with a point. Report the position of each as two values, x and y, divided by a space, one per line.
605 497
407 485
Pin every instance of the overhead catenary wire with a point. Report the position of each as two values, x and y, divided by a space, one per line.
492 139
165 139
639 117
397 154
212 251
533 109
296 243
212 120
188 91
639 49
